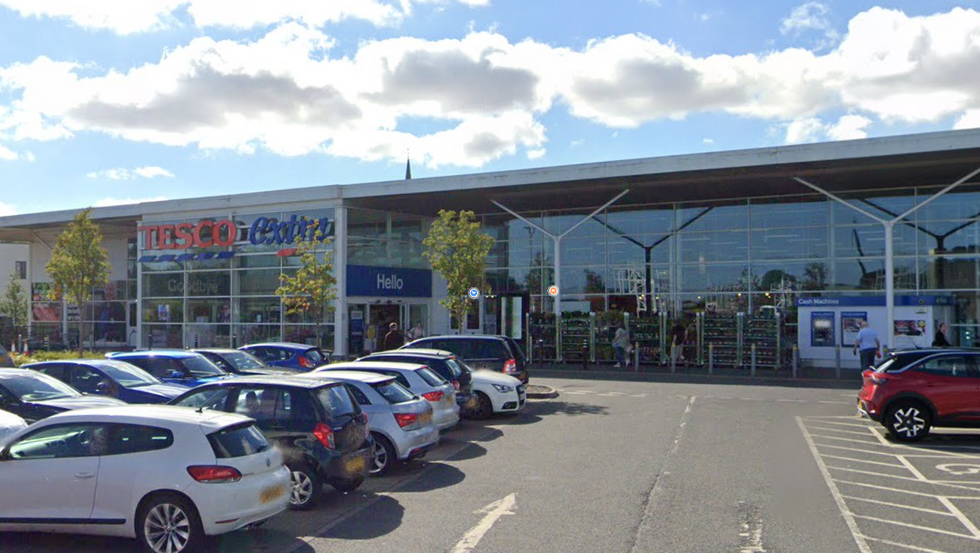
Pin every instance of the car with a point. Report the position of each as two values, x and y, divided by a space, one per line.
174 366
241 362
34 396
495 393
6 360
401 423
316 423
10 424
287 354
910 392
497 353
167 476
110 377
442 362
420 380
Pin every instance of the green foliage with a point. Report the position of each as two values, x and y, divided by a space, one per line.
78 264
457 249
312 291
39 356
13 303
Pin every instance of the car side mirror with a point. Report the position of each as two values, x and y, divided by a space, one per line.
102 388
5 454
176 374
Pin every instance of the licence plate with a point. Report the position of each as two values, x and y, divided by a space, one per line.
425 418
271 493
354 464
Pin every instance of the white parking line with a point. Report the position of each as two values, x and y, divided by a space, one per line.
857 450
899 490
493 512
904 545
852 432
892 465
912 468
848 517
898 505
914 526
865 442
961 517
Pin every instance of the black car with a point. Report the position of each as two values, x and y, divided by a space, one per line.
34 396
242 363
107 377
497 353
442 362
316 423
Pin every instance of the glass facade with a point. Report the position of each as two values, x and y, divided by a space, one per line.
221 302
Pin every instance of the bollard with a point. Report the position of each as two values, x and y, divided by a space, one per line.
753 359
636 357
149 341
837 368
796 361
711 358
673 358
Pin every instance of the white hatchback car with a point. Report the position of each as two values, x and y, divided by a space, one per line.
496 393
167 476
10 424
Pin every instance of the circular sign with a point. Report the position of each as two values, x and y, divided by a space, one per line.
553 291
474 293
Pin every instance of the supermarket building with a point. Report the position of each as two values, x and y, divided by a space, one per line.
750 231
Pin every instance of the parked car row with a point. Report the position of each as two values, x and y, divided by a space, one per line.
239 442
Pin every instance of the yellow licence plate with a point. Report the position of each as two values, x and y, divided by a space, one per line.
272 493
354 464
426 418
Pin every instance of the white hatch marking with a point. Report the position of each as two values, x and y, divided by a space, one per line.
493 512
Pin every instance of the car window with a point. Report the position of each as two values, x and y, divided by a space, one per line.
489 349
393 392
130 438
199 367
278 354
516 348
256 402
357 393
238 441
458 367
218 360
337 401
214 398
402 379
61 442
85 379
54 370
38 387
127 375
431 378
160 367
315 356
946 365
294 410
244 361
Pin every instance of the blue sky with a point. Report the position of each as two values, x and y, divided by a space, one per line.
109 101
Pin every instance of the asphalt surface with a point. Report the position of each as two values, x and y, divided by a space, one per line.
645 467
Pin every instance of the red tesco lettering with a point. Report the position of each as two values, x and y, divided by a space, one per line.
183 236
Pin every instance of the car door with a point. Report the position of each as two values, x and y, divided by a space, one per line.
947 381
131 453
10 403
54 370
50 474
88 381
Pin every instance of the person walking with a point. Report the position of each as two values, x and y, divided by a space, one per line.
369 338
394 339
940 341
678 335
416 331
621 343
868 344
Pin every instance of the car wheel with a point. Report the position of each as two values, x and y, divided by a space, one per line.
169 523
307 487
384 455
484 407
908 421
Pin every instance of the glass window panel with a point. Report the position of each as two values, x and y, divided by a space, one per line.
406 254
209 311
959 272
207 335
583 251
559 223
163 311
954 238
800 213
163 285
367 224
107 333
797 276
306 334
789 243
532 252
884 207
163 335
257 261
869 241
209 284
704 277
255 333
583 280
258 310
256 282
110 311
363 251
962 203
713 246
507 280
636 223
713 218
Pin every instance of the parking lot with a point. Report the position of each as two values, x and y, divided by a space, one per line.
644 467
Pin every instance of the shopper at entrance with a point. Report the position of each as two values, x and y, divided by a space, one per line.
416 332
394 339
678 335
868 344
369 338
940 341
621 343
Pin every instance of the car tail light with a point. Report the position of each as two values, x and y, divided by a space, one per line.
325 434
406 419
510 366
210 474
305 362
456 385
434 397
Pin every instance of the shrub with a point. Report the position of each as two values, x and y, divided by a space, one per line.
38 356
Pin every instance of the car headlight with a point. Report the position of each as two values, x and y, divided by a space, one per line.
503 388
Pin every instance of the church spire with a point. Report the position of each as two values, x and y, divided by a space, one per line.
408 167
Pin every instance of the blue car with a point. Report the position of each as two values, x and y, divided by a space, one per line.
111 378
286 354
175 367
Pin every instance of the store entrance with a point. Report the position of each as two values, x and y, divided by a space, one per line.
368 324
505 314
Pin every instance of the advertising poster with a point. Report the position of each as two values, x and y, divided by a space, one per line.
850 324
163 313
46 312
822 329
910 327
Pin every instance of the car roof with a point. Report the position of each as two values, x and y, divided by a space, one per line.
216 350
275 380
416 352
152 414
92 362
367 365
464 337
359 376
174 354
291 345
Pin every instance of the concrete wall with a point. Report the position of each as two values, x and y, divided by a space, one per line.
9 255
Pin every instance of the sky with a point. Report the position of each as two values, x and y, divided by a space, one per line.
104 102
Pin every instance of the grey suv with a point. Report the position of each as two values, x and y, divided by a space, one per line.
497 353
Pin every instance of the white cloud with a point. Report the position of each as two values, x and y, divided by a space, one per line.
708 141
6 154
809 129
140 16
536 154
812 15
812 129
120 173
849 127
969 120
7 210
109 202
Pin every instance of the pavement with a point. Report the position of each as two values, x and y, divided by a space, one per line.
645 466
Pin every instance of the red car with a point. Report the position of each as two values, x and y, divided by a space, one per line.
909 392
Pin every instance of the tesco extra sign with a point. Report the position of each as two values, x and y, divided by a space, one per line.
209 233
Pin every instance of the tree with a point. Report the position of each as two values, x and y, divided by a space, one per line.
79 264
457 249
313 290
13 303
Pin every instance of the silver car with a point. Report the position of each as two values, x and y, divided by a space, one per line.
420 380
400 422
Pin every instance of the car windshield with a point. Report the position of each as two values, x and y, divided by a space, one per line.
455 366
431 377
244 361
199 366
38 387
315 356
337 401
393 392
128 376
